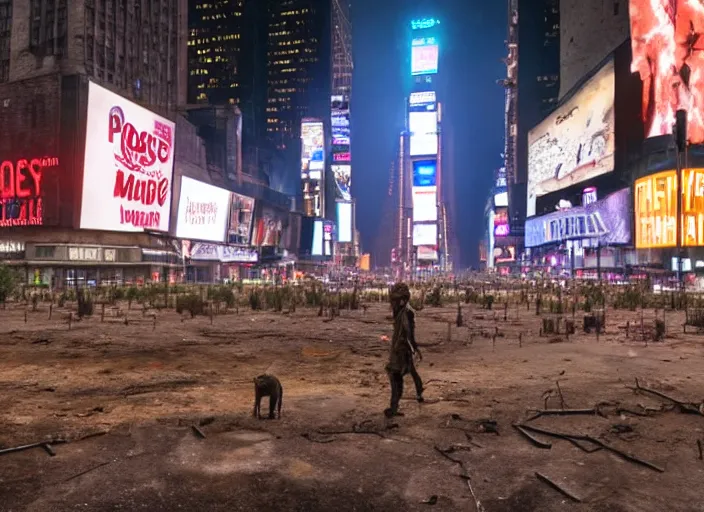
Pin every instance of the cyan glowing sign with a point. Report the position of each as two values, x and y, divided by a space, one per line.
424 23
423 41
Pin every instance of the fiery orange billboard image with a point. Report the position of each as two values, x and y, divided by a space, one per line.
655 205
667 54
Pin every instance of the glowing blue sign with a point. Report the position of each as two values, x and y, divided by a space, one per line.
424 23
424 173
422 41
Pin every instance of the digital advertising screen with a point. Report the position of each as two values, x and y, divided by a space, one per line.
425 234
340 123
425 206
317 249
501 198
501 224
608 220
128 166
203 211
425 173
422 99
424 56
241 217
655 205
268 227
576 142
22 190
504 254
343 181
344 222
424 133
328 237
223 253
666 46
427 253
312 147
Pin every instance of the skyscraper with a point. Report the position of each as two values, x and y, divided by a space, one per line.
532 89
134 48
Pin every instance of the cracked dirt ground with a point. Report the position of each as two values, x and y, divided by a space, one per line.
144 388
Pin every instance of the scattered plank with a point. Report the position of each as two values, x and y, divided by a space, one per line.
557 487
562 412
685 407
15 449
198 432
537 442
701 452
87 471
48 449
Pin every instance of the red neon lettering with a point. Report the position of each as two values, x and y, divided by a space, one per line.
20 191
145 191
142 146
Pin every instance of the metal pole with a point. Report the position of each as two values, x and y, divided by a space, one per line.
679 218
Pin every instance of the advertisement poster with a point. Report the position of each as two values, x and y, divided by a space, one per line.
607 220
424 56
501 224
576 142
223 253
203 211
424 173
504 254
666 47
344 222
343 180
317 247
655 205
427 253
268 228
128 168
424 133
425 206
241 216
312 147
340 121
425 234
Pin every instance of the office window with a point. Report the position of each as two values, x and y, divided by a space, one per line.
48 26
5 37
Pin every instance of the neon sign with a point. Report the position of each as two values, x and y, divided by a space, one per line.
341 157
21 192
422 23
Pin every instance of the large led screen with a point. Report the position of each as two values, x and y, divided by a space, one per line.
424 173
203 211
655 205
425 234
317 247
421 98
128 165
667 53
340 121
427 253
608 220
501 224
424 133
269 227
241 216
344 222
576 142
312 147
343 180
424 56
425 207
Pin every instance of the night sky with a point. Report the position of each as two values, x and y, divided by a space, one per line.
471 47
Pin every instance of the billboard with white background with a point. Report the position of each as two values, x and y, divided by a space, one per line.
576 142
312 148
427 253
425 207
344 222
128 166
424 133
425 234
203 211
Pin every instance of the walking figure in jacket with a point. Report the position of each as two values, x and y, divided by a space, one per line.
403 348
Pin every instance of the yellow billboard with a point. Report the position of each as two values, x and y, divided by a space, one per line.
655 206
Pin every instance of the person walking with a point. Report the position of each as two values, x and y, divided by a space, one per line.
403 348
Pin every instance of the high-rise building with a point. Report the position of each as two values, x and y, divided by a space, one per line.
589 31
132 46
532 89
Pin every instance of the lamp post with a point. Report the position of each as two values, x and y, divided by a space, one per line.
680 134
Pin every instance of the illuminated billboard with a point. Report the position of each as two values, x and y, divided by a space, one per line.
268 227
424 56
22 190
423 23
422 98
128 165
241 217
344 222
504 254
343 180
203 211
667 48
425 173
576 142
340 122
317 247
425 234
427 253
501 227
424 133
312 148
655 205
425 207
501 199
608 220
